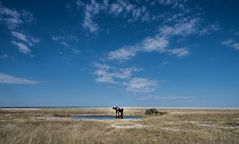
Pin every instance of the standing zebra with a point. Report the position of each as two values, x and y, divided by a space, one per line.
119 112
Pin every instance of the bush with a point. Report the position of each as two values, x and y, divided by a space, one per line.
154 111
151 111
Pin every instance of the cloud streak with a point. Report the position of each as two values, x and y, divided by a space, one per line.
231 43
141 85
131 11
22 47
108 74
13 19
9 79
181 28
157 43
67 41
149 44
124 77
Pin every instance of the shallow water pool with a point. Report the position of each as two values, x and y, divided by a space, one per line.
103 117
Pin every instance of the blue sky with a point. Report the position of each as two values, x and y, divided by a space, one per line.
170 53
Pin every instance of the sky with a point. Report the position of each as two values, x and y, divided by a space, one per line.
165 53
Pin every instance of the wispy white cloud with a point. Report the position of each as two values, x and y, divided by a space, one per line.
22 47
173 3
19 36
156 43
183 28
231 43
152 97
108 74
124 77
23 38
63 43
180 52
149 44
61 40
131 11
65 37
141 85
9 79
13 19
67 40
124 53
162 40
209 29
33 39
177 24
102 74
75 51
91 9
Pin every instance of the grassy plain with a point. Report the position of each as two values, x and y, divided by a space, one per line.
53 126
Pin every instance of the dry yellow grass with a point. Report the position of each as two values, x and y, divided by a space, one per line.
176 127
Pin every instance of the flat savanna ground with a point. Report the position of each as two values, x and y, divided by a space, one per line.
176 127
